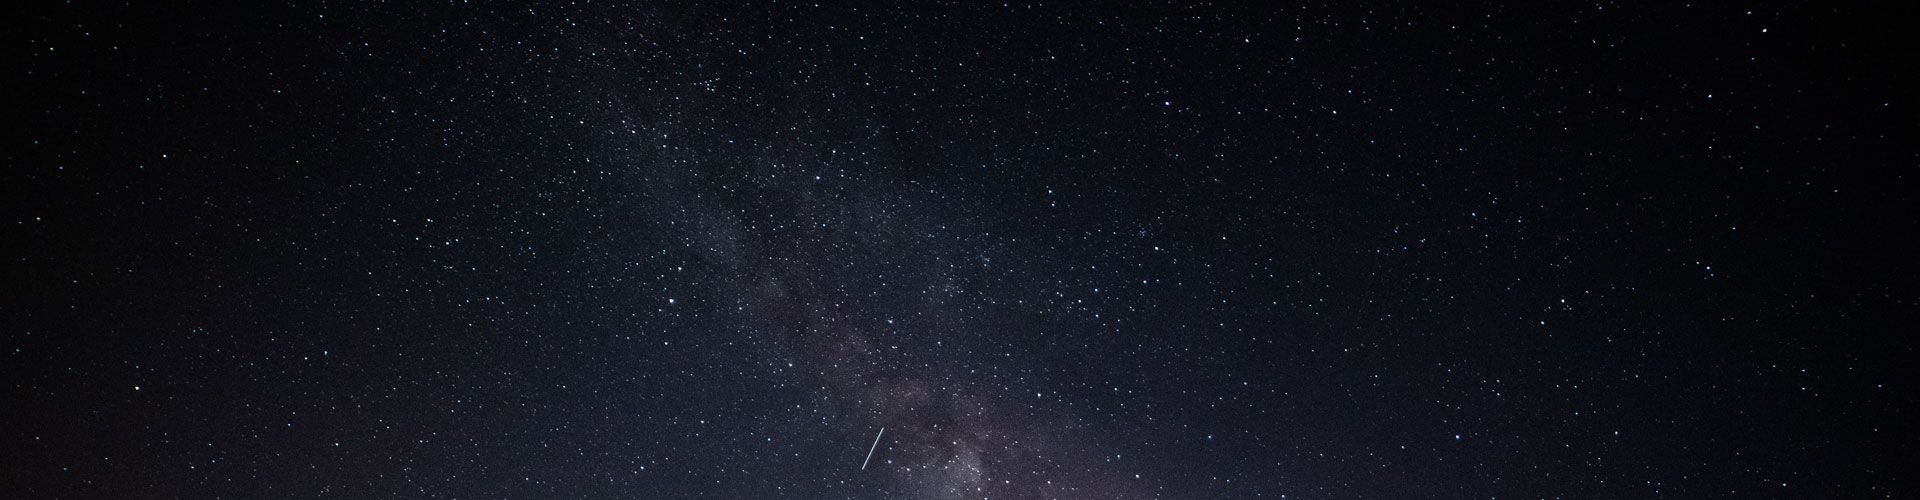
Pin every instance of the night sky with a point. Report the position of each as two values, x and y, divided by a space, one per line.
1169 250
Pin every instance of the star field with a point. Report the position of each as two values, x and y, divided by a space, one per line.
1164 250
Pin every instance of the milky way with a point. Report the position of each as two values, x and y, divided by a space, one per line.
872 303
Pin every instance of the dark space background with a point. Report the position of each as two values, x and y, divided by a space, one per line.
1165 250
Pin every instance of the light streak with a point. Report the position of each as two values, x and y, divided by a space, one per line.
876 445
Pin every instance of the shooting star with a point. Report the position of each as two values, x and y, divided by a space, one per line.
876 445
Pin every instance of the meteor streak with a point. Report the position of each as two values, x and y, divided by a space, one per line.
876 444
